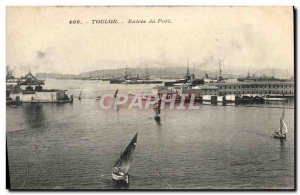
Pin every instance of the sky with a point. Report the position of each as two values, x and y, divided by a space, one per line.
42 40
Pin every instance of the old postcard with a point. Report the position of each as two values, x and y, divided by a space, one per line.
190 98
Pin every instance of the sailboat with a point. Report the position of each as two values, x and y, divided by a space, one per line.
282 131
157 111
116 106
122 165
79 97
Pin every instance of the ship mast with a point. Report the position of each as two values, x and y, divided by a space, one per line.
220 71
187 75
147 73
126 72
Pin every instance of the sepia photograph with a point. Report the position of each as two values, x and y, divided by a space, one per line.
150 98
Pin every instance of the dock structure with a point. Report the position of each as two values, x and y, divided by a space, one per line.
262 85
279 88
28 89
258 90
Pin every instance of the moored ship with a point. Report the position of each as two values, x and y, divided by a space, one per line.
189 79
129 79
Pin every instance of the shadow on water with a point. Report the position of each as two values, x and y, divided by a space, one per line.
282 152
34 115
158 123
119 185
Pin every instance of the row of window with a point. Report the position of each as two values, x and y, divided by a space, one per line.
210 90
262 90
259 92
255 86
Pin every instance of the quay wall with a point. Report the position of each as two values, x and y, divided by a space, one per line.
36 97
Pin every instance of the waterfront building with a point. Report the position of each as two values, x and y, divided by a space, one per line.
282 88
30 90
199 90
160 90
264 88
206 89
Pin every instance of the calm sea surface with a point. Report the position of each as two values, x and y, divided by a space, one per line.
74 146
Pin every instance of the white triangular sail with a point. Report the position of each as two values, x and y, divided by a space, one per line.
285 130
281 125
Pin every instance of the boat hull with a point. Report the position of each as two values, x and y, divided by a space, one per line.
144 82
116 81
120 178
172 83
279 136
157 118
275 99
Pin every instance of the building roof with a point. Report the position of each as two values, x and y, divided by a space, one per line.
29 79
160 87
206 87
252 83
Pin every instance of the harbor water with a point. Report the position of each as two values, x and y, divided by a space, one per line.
74 146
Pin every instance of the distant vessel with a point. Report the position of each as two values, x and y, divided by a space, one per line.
269 99
122 165
251 98
128 79
157 111
189 79
215 79
181 81
119 80
79 97
263 78
134 81
116 104
116 80
281 133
